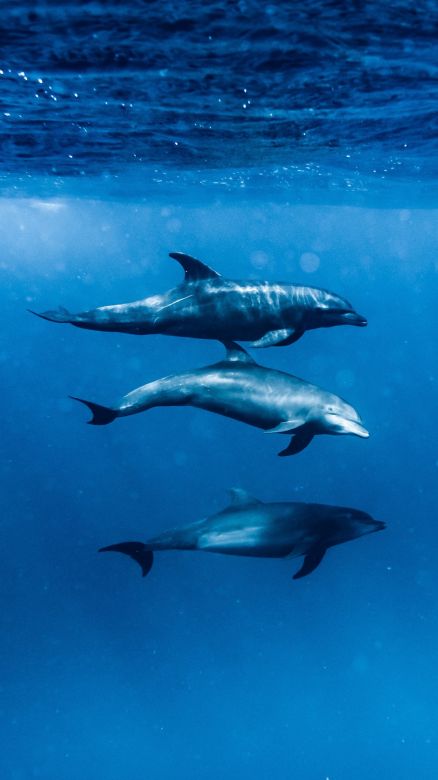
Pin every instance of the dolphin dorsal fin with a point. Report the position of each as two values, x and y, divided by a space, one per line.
236 354
240 498
194 270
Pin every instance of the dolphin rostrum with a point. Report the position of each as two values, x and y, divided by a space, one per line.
253 528
239 388
206 305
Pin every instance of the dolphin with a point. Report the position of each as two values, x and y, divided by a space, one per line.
208 306
264 530
239 388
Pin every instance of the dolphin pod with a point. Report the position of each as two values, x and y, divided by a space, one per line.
253 528
239 388
208 306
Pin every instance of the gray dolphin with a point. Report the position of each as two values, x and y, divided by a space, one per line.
252 528
206 305
239 388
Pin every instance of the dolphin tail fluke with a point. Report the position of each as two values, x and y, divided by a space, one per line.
57 315
297 443
311 561
102 415
138 551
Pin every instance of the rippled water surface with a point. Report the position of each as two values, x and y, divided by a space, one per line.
332 95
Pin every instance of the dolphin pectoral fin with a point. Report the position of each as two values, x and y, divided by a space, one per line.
286 426
137 551
310 563
194 270
298 442
278 338
295 335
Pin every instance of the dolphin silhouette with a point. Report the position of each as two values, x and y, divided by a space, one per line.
251 527
208 306
239 388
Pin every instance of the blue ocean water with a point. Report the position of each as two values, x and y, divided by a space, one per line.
216 666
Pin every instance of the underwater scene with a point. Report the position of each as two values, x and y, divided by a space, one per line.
194 198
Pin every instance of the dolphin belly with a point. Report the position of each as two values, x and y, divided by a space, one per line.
241 397
251 528
250 541
220 318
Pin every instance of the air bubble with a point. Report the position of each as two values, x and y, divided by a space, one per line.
259 259
345 378
309 262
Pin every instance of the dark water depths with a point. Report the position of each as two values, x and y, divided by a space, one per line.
338 95
290 142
